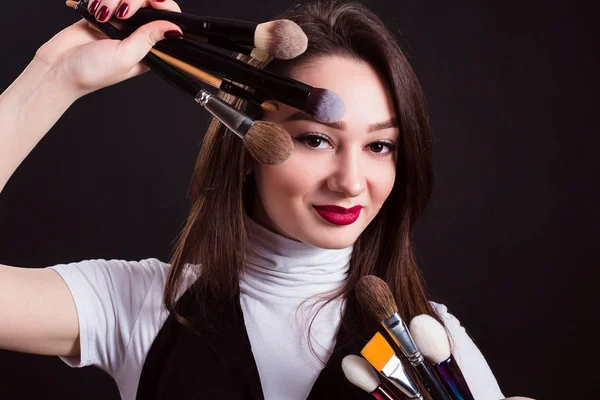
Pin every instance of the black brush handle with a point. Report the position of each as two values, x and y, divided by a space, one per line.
237 91
281 88
431 382
241 32
155 63
226 86
216 41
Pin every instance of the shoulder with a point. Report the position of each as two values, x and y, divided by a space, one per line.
100 269
473 364
442 311
117 276
460 340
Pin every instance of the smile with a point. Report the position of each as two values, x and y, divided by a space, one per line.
338 215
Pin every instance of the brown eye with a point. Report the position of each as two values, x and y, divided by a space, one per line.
377 147
314 141
382 148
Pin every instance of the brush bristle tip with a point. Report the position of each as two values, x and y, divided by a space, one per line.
269 143
374 295
324 105
360 373
430 337
282 39
377 351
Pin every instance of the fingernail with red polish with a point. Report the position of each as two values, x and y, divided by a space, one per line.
159 1
173 34
102 14
122 10
94 7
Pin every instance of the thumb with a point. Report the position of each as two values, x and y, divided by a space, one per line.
134 48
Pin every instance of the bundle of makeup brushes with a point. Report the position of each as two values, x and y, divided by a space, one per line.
425 345
200 56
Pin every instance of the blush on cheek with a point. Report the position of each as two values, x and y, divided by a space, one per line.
383 185
290 181
298 175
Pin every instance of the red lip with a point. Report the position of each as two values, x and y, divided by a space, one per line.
338 215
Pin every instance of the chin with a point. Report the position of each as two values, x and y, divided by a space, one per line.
332 241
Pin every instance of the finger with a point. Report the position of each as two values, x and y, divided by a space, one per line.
133 49
128 8
169 5
103 10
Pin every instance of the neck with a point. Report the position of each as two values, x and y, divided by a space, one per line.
286 268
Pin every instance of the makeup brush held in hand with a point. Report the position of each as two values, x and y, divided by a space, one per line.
263 136
267 142
282 38
216 82
206 77
380 355
360 373
430 336
322 104
375 296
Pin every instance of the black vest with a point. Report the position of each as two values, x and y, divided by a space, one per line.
219 363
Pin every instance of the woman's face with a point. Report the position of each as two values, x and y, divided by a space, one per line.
348 164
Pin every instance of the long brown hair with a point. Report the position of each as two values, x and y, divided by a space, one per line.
214 236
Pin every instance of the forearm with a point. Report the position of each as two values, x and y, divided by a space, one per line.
29 107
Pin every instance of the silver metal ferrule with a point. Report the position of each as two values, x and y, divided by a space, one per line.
398 330
238 122
395 372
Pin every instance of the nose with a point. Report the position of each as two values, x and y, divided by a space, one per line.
347 178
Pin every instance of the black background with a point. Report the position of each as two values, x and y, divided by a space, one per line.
509 239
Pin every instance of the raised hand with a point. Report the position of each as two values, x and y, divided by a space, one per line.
84 60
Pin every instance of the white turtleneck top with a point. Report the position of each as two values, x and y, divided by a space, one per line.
120 310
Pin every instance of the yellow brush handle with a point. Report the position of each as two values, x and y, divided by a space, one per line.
190 69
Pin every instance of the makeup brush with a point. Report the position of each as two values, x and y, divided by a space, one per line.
227 44
267 142
360 373
205 77
216 41
375 295
216 82
380 355
430 336
282 39
324 105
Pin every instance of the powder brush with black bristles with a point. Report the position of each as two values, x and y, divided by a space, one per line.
282 39
377 299
255 134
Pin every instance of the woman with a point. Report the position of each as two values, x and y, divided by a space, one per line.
258 246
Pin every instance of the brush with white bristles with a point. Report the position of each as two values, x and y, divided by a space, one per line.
268 142
431 339
375 296
360 373
282 38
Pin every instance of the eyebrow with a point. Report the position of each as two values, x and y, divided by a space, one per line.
340 125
